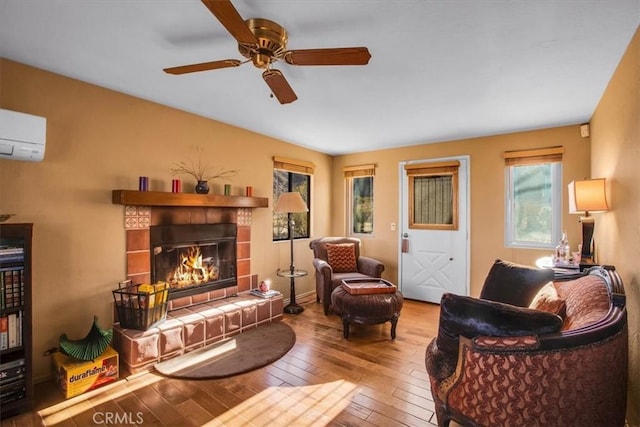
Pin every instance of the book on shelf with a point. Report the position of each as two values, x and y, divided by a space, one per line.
12 365
12 330
12 258
13 384
11 253
12 390
19 329
12 280
4 333
12 374
6 249
11 395
268 294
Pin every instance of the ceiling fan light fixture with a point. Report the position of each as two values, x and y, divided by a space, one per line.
272 42
261 60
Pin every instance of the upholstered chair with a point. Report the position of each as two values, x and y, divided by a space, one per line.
336 259
532 351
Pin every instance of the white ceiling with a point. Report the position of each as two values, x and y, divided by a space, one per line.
440 69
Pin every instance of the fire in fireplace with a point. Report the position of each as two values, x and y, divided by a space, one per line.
193 258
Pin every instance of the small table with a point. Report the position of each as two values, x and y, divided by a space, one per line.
561 271
292 307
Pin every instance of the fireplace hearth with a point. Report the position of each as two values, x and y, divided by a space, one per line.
193 258
210 310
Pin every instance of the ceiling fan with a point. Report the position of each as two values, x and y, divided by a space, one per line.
264 42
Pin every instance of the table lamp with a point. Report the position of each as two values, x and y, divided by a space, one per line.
290 203
587 196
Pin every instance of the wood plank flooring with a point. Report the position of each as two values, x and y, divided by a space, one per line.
324 380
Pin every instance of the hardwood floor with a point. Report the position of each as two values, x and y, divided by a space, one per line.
324 380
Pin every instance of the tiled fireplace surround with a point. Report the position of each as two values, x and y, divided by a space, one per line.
197 320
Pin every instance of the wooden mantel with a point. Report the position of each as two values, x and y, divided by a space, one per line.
162 198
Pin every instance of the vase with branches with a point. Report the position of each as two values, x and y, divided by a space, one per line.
202 173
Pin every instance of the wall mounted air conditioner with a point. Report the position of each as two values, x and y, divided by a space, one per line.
22 136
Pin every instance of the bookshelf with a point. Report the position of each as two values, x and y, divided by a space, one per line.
16 376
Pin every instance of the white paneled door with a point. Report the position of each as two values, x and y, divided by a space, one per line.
434 228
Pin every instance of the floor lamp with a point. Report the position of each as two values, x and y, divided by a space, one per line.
587 196
291 203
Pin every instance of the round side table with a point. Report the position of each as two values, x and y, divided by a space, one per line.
292 307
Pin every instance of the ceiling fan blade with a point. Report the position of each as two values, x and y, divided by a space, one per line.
331 56
204 66
279 86
229 17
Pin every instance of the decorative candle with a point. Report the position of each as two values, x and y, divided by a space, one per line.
176 186
143 183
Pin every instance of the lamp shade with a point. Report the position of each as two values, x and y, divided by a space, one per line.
290 202
587 196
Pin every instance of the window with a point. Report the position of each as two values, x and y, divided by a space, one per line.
359 190
433 195
533 197
292 175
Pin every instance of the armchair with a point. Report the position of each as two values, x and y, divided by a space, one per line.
336 259
558 359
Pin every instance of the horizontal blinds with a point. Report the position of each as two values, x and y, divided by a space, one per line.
291 165
432 168
360 170
539 155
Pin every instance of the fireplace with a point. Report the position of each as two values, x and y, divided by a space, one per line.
193 258
209 311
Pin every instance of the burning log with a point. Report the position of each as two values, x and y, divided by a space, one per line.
193 270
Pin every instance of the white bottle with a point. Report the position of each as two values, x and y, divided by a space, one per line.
564 250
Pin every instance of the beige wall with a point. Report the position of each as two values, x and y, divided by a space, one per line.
99 140
615 155
486 169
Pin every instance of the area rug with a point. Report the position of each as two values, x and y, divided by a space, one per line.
236 355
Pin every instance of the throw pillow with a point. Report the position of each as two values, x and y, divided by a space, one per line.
547 299
342 257
514 283
472 317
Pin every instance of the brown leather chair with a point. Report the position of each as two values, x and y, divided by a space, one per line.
328 277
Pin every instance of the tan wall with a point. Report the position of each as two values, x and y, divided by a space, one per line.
486 169
615 155
99 140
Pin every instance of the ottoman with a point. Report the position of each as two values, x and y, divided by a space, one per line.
368 309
